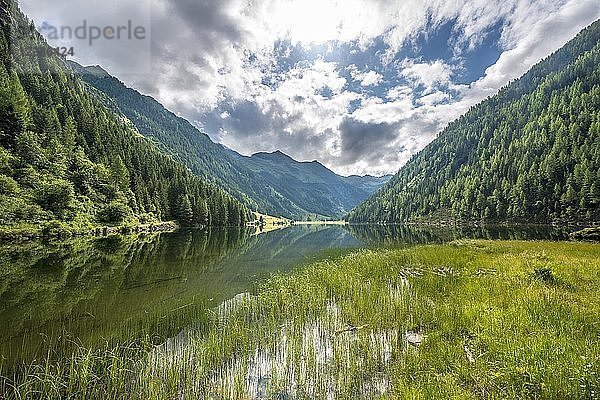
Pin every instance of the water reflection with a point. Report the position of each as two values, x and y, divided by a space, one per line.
389 235
90 291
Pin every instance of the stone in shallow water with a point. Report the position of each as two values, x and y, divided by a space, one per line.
414 338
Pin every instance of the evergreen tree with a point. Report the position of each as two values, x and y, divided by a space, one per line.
184 212
202 213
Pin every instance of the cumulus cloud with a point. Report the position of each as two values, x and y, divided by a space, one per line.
429 75
302 112
533 41
365 78
345 90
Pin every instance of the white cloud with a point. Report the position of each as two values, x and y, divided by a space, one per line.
398 92
434 98
430 75
221 35
533 43
374 110
214 62
368 78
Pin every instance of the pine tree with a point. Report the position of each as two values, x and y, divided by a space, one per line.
119 174
202 214
69 135
19 102
183 212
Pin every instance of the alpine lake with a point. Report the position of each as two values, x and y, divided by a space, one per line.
112 289
60 298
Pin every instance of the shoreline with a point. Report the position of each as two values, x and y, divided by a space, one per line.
29 234
320 223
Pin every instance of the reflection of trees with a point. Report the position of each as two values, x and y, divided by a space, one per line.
96 287
284 248
387 235
380 235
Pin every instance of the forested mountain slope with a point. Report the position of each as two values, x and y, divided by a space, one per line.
274 184
318 190
529 154
67 161
368 183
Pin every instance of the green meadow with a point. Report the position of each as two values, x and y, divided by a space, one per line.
471 319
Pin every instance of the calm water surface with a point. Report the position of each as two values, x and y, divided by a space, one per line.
91 292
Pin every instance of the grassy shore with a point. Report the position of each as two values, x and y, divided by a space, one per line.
267 223
465 320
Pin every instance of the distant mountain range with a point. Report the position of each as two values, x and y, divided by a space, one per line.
529 154
272 183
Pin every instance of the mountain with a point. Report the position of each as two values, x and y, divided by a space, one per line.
319 191
368 183
529 154
69 163
271 183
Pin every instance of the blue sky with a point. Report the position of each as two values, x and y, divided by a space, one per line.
358 85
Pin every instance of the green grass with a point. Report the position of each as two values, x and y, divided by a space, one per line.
501 320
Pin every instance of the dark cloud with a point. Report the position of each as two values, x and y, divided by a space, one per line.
246 119
211 23
254 129
360 139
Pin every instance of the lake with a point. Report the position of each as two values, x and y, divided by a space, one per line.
100 291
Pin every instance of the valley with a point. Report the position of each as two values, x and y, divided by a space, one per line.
397 215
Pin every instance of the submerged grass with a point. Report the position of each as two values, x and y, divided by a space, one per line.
465 320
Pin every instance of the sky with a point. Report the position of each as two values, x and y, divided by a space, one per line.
360 86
